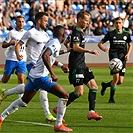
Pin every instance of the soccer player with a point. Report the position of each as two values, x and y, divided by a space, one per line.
38 78
35 39
120 47
79 73
12 63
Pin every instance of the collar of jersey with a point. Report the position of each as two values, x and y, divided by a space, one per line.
121 32
54 37
78 29
36 28
17 30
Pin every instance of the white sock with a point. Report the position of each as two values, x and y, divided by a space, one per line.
20 95
12 108
1 77
44 102
61 109
17 90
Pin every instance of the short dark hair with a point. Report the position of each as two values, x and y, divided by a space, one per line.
81 14
58 31
39 15
118 18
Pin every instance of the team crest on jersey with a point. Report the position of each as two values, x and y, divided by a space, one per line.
125 38
114 37
76 39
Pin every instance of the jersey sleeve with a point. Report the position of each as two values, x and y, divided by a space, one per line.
8 37
76 39
129 39
106 37
54 48
25 37
69 37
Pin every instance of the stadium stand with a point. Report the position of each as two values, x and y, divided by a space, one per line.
73 6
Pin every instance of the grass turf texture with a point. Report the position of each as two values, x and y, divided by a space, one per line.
117 118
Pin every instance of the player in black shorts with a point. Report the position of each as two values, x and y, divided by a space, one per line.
79 73
120 47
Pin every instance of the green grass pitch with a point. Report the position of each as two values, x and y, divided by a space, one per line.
117 118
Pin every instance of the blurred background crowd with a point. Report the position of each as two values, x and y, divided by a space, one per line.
64 12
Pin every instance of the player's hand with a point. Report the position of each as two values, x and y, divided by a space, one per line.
19 57
69 49
14 42
106 50
65 69
127 57
96 52
54 77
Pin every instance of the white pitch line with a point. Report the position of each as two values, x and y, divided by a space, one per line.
33 123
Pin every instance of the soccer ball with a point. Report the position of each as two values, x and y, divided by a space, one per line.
115 65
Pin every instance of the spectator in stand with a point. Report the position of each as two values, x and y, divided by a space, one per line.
126 22
106 22
115 13
69 11
7 23
97 20
18 10
123 13
57 11
99 29
32 12
128 8
11 10
60 4
64 11
70 21
94 12
41 8
62 20
51 22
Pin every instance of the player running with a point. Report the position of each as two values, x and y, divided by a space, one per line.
120 47
38 78
79 73
35 39
12 63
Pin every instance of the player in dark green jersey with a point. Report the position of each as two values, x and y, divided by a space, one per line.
120 47
79 73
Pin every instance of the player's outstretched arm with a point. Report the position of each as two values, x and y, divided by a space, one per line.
17 51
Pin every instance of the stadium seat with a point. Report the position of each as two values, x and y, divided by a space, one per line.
74 7
28 25
79 7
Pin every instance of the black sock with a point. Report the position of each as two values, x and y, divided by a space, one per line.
112 93
92 99
108 84
72 97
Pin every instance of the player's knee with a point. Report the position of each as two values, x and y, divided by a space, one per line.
119 82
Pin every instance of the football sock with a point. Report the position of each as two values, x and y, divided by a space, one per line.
1 77
61 108
44 101
17 90
92 99
72 97
112 92
108 84
12 108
